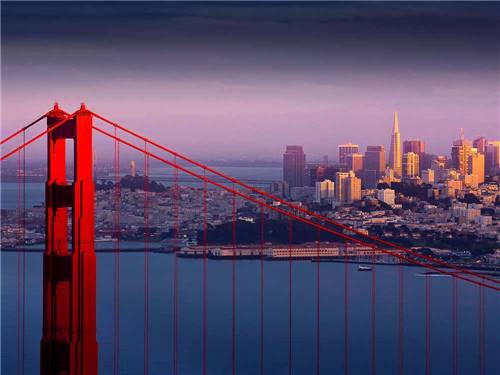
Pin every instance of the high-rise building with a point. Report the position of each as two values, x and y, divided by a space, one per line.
425 160
414 145
347 149
492 161
460 152
387 196
438 165
353 188
476 165
374 158
410 165
340 178
347 187
428 176
133 171
395 158
324 190
373 165
480 144
354 162
294 165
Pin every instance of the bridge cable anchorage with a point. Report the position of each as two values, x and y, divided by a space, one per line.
304 220
297 207
38 136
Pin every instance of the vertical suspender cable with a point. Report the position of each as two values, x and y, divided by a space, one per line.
205 255
481 331
233 264
146 262
261 290
318 321
374 314
346 311
401 319
427 324
290 231
454 321
20 248
118 264
176 266
24 275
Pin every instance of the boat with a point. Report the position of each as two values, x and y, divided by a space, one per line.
365 268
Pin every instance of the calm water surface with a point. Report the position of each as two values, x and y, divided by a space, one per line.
248 317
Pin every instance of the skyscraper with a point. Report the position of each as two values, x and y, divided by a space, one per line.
353 188
480 143
410 165
460 152
354 162
428 176
347 187
476 165
492 158
347 149
340 178
294 165
395 158
373 165
414 145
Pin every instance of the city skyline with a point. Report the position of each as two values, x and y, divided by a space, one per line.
315 75
249 187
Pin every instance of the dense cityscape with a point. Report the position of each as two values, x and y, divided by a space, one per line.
445 206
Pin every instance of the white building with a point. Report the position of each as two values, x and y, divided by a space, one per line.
387 196
324 190
465 213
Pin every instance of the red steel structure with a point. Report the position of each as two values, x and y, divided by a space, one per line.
69 344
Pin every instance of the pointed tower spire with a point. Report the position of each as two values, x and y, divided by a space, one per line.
395 158
395 128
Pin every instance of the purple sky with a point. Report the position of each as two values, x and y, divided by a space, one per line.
226 80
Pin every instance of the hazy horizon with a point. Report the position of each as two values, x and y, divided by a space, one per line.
243 80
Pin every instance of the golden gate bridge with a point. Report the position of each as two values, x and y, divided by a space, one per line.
68 342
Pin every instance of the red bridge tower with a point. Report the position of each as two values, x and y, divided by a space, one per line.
69 344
